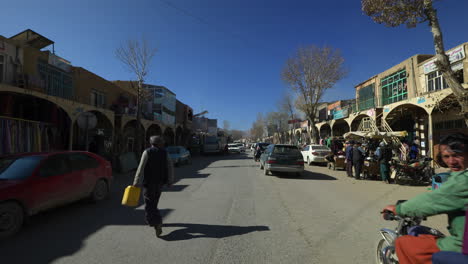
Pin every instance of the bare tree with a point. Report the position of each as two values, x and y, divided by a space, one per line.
136 56
287 106
394 13
258 127
310 73
226 125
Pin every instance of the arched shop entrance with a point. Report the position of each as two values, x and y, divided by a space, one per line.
446 119
356 122
178 136
340 127
153 130
99 138
412 119
129 136
325 131
169 136
32 124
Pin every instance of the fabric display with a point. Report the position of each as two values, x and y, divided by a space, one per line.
18 136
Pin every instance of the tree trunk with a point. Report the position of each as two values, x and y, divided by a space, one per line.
314 133
442 61
138 119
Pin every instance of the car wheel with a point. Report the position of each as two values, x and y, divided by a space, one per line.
265 171
100 191
298 174
11 219
308 161
261 166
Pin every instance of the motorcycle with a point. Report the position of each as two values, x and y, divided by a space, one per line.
416 171
386 253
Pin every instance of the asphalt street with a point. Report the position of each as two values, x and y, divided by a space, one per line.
221 210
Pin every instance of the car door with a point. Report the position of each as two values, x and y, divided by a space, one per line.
49 184
266 154
83 177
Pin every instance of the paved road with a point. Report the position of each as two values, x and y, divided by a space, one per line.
222 210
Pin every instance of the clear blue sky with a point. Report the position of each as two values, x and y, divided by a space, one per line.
226 56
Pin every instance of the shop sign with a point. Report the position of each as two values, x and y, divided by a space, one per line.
341 113
454 55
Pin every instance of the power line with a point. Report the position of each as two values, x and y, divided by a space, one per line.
203 21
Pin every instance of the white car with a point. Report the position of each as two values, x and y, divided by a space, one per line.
315 153
234 148
241 147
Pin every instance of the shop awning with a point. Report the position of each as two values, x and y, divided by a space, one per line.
374 134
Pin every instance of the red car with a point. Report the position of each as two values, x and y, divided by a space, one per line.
34 182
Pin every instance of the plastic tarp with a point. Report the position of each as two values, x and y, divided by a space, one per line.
374 134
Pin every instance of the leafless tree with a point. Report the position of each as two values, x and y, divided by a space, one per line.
136 56
310 73
394 13
258 126
226 126
287 105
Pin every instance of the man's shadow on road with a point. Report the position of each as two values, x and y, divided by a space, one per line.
190 231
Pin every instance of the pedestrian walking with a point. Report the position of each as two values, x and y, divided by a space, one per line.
349 158
384 156
154 171
358 160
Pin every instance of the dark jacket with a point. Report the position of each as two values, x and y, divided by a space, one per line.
358 155
385 155
349 153
155 168
156 171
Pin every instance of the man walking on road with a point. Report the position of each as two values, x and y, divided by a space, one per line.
349 158
358 159
155 171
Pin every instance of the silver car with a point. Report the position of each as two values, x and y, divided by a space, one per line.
282 158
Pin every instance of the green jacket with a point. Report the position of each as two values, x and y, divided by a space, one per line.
449 199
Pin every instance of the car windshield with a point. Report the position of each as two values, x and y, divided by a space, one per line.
17 168
320 148
286 150
232 145
173 150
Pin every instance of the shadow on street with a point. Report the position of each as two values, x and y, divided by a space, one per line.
191 231
61 232
306 175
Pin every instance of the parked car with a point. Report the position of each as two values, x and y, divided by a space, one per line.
34 182
241 147
179 155
282 158
315 154
234 148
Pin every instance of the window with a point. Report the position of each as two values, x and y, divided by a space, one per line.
286 150
435 81
80 161
14 168
394 87
366 97
306 148
54 166
98 99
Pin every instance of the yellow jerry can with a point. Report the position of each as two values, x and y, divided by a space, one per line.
131 196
